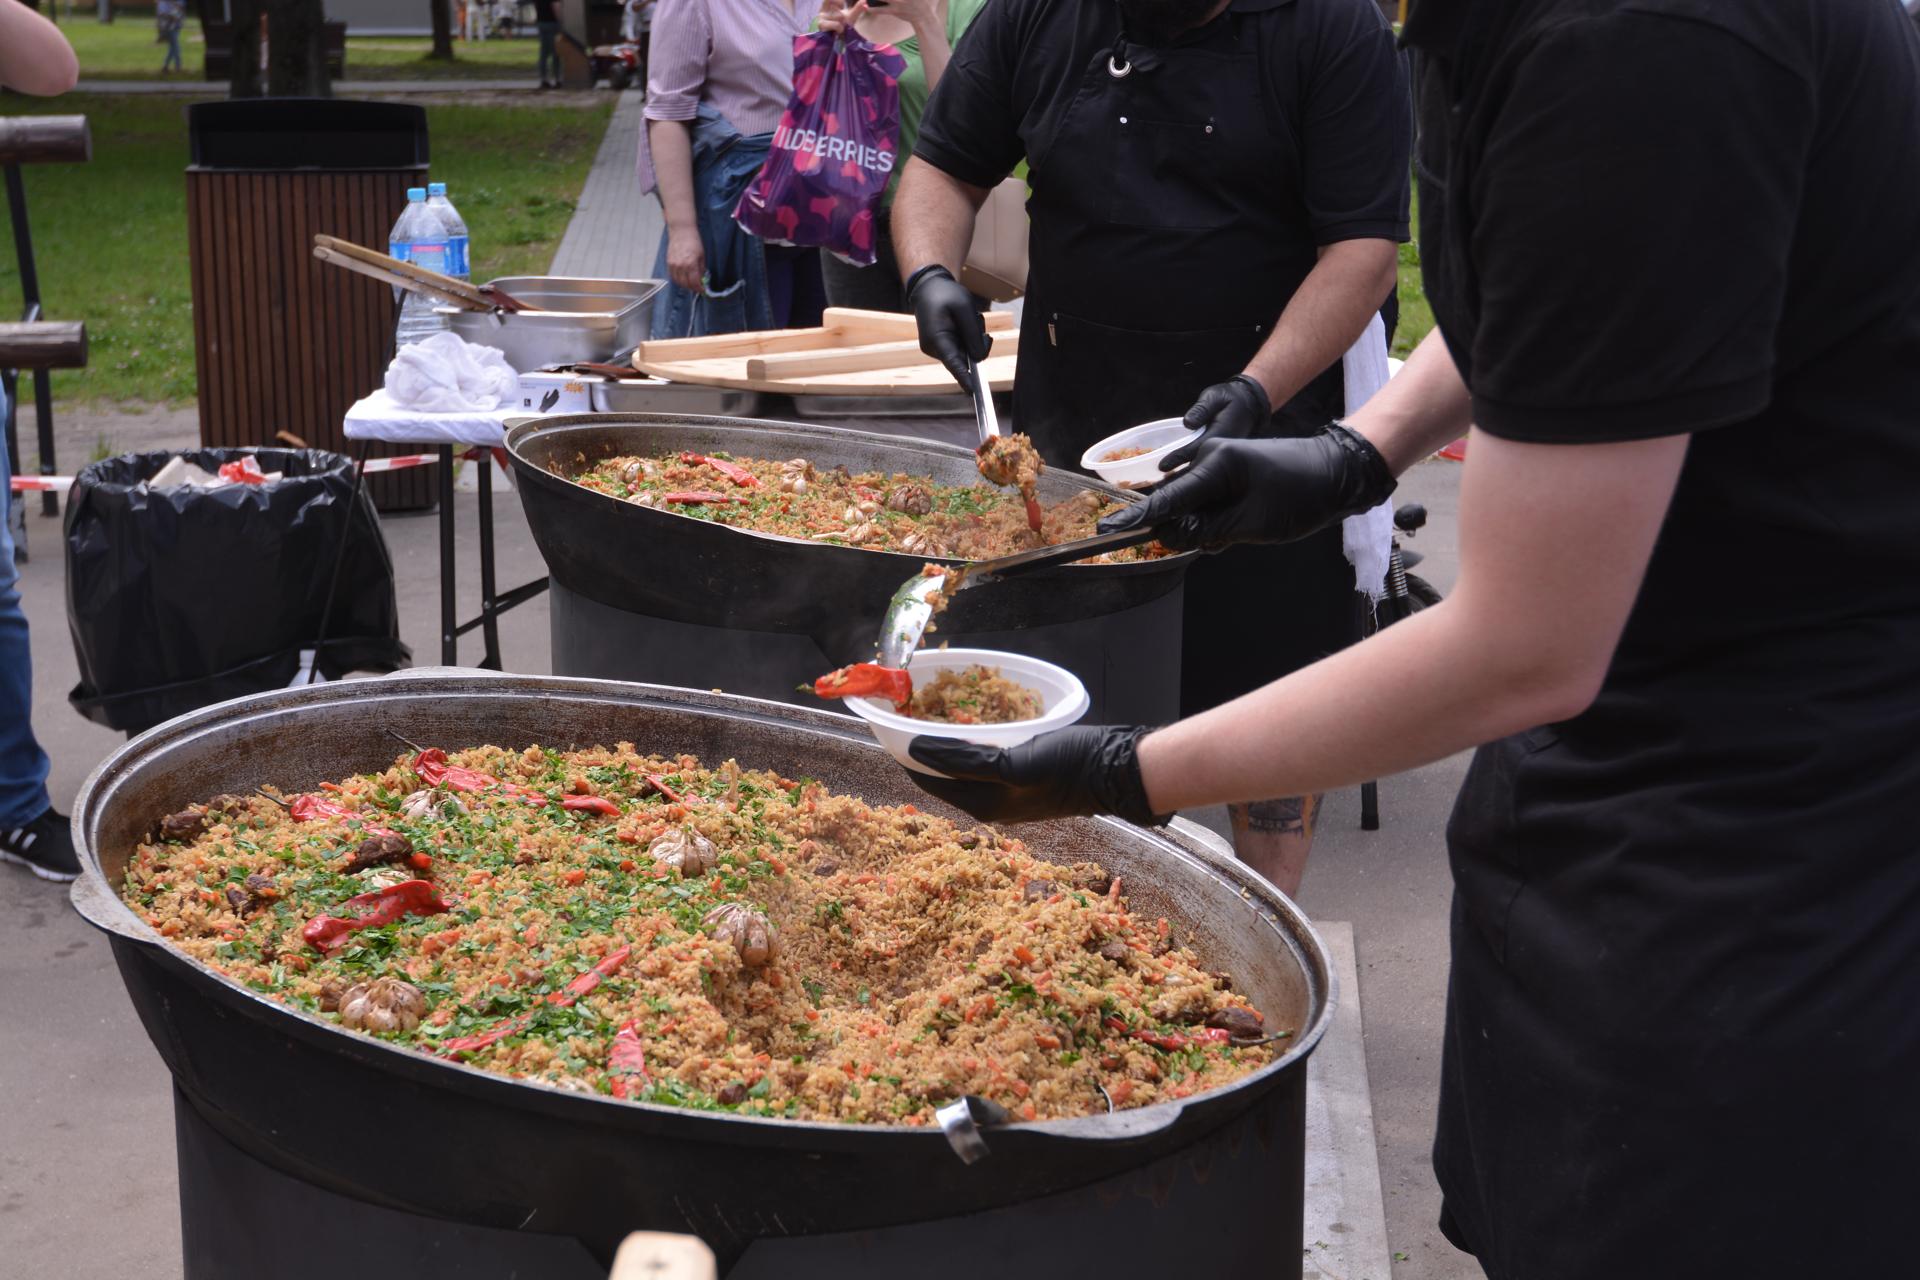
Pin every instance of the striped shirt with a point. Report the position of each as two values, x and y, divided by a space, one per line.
736 55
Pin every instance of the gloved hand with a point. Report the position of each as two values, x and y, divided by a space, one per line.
1067 773
951 331
1230 410
1262 491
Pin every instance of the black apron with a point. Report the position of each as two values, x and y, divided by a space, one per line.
1167 235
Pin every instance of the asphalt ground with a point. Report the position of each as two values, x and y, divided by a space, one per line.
87 1174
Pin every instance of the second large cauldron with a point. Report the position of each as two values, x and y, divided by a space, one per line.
647 594
380 1124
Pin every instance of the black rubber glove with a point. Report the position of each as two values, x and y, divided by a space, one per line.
1067 773
1262 491
1230 410
951 331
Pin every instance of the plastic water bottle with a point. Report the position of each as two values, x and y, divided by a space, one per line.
459 260
424 238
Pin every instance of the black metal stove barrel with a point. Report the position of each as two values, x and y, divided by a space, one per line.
656 596
288 1120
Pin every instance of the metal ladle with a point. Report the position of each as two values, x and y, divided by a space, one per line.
911 608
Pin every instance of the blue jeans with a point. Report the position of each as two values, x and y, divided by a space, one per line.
549 33
23 765
172 59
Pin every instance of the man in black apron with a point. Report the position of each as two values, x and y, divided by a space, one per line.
1217 193
1669 244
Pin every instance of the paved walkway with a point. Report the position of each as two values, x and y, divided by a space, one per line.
615 231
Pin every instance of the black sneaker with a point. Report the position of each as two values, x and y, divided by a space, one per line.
44 847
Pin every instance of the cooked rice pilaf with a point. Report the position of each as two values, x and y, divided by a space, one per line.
720 939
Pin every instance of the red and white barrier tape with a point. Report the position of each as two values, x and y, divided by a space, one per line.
60 484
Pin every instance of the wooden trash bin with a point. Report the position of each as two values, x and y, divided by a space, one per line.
281 341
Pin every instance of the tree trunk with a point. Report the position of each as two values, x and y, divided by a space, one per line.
243 75
442 29
297 49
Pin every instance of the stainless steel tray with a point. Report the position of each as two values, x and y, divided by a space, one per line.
577 319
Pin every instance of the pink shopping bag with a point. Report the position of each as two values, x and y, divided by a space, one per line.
834 151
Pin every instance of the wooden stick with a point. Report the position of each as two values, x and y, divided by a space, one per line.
853 359
45 140
385 276
467 294
43 344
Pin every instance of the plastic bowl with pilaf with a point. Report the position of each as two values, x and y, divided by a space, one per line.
719 939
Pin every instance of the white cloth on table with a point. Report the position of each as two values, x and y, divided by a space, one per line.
378 418
446 374
1368 537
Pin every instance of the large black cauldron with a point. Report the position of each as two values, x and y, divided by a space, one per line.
648 594
390 1127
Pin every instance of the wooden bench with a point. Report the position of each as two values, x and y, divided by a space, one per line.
34 344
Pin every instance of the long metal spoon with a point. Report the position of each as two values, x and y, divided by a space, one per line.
911 608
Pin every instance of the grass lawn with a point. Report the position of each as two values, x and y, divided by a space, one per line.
126 49
110 236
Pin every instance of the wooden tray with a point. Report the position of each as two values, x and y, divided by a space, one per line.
854 353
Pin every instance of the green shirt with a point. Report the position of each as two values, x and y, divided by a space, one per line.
913 85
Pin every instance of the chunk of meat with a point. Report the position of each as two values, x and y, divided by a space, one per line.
188 824
748 931
1115 950
1039 890
826 867
1241 1024
385 1004
684 850
426 803
732 1095
377 850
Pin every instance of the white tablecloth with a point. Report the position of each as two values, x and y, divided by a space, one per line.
378 418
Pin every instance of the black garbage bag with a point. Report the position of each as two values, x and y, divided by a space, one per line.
180 597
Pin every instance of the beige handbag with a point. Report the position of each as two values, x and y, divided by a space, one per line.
996 267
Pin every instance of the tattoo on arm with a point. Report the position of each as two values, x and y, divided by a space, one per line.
1292 816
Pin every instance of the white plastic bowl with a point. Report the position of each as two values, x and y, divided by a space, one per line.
1158 439
1063 699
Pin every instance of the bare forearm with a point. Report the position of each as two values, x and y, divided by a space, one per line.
672 144
934 50
1325 316
933 218
1422 408
1554 541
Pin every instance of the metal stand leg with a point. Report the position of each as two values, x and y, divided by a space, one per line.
489 606
43 418
449 624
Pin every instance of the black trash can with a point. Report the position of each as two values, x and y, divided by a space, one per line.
188 595
281 340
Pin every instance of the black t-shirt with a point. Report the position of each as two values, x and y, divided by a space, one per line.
1681 1012
1325 93
543 11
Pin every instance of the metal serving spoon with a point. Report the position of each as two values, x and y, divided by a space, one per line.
911 608
984 415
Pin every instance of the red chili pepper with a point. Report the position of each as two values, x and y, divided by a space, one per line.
420 861
307 808
627 1061
1035 517
667 793
382 906
591 804
580 986
731 470
434 770
1174 1041
700 497
865 678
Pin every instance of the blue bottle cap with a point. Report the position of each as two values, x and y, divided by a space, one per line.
436 188
416 193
